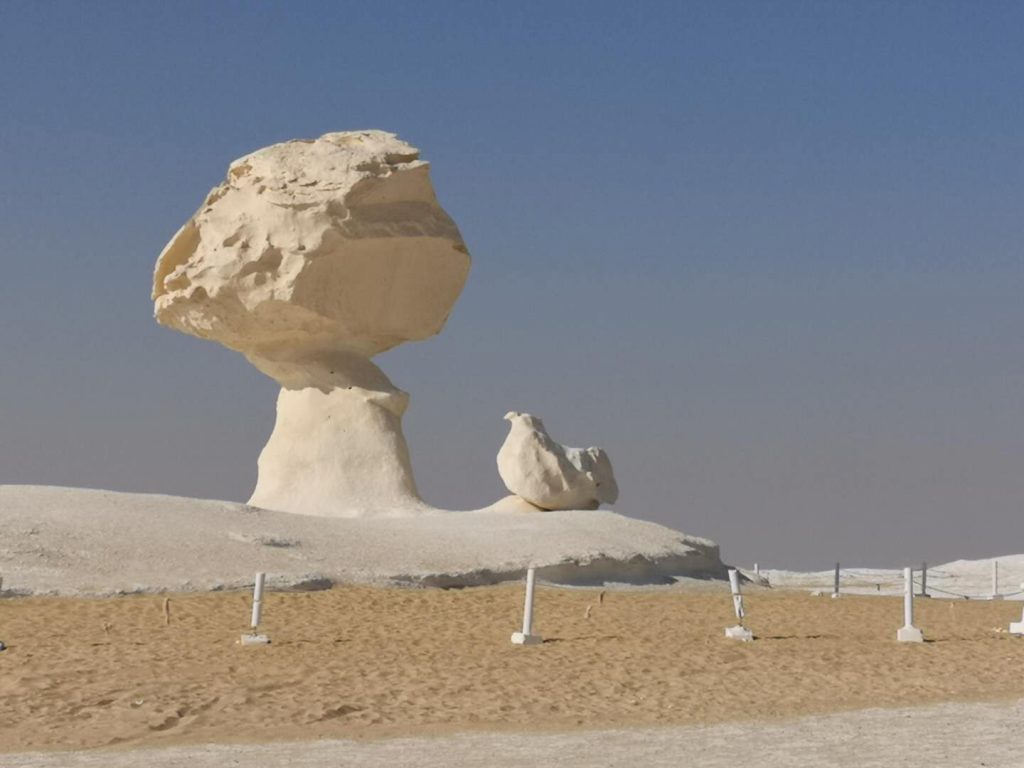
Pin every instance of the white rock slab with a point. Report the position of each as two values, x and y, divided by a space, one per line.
73 541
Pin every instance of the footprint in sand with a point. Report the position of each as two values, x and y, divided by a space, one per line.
170 721
341 710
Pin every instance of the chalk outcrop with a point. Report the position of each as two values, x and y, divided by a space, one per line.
310 258
76 541
553 476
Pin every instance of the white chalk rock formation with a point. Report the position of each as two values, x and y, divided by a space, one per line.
311 257
76 541
552 476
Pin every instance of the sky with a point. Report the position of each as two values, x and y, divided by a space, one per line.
767 254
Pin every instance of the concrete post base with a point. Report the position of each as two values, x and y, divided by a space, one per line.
518 638
1017 628
254 640
739 633
909 635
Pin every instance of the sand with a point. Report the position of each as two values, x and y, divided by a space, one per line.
368 663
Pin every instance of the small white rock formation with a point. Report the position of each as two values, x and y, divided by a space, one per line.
311 257
552 476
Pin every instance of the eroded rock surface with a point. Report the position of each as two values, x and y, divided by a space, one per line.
310 258
75 541
334 244
553 476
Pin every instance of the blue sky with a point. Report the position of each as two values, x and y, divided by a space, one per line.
767 254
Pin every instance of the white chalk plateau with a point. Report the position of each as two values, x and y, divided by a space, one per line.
74 541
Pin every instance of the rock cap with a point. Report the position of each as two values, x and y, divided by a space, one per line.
312 246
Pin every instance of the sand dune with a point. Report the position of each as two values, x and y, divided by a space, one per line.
374 662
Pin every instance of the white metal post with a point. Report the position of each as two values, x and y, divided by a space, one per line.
739 632
908 633
254 638
908 597
257 600
531 576
526 637
737 597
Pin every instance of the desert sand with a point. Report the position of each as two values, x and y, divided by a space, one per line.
369 663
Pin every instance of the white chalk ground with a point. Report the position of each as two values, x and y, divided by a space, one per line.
73 541
944 736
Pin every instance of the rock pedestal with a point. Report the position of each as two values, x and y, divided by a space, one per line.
337 449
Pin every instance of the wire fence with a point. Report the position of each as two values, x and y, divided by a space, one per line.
933 588
861 581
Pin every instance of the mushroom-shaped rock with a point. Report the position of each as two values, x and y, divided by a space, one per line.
553 476
311 257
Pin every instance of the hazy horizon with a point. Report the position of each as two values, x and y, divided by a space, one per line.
768 255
